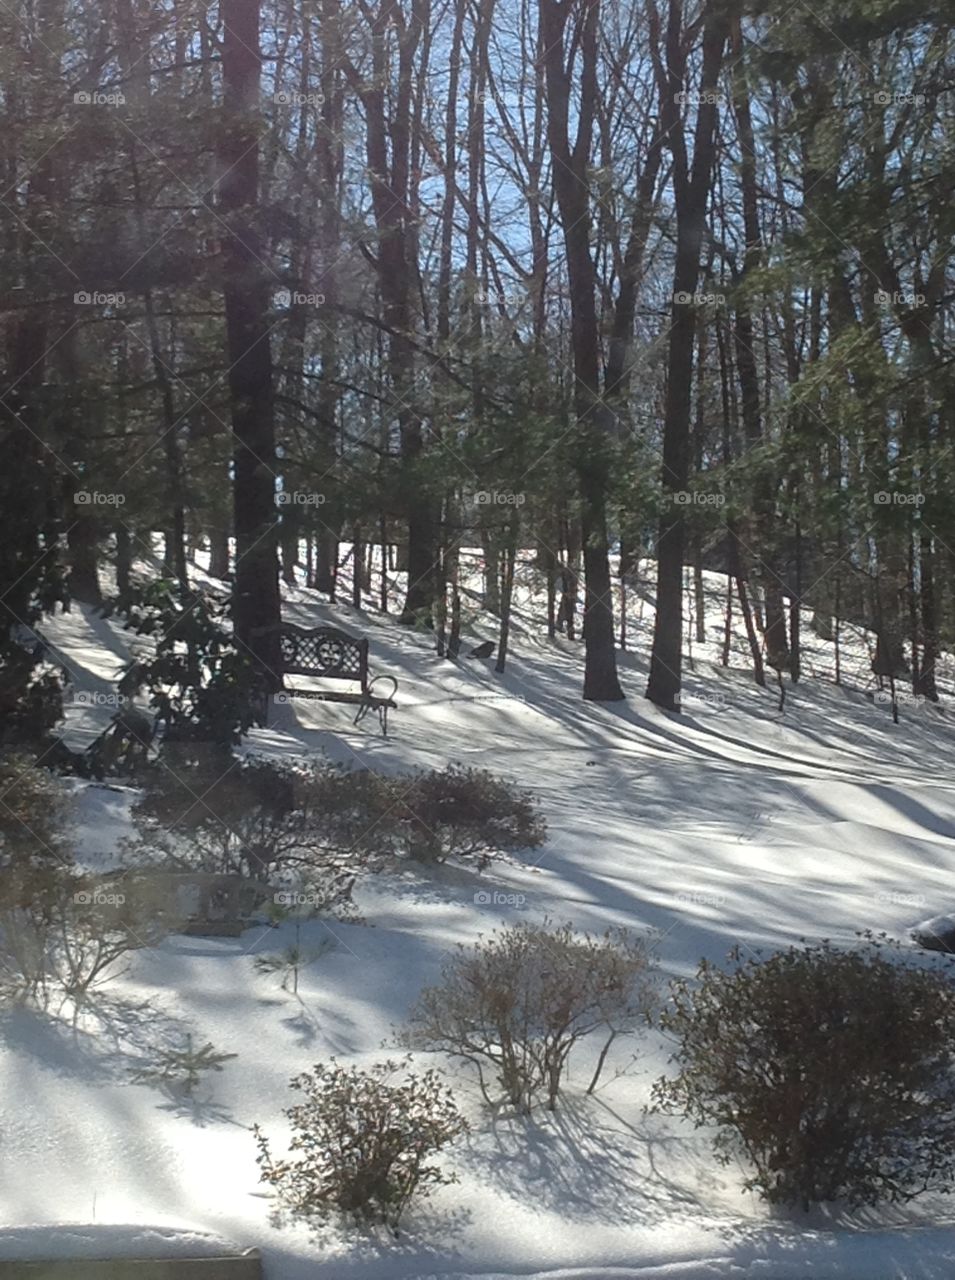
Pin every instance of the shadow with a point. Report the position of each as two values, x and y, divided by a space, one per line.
422 1223
304 1026
202 1112
109 1037
581 1160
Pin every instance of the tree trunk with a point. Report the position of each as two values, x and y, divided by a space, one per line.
699 599
219 552
123 559
83 545
357 558
926 684
326 568
256 599
591 446
508 560
690 190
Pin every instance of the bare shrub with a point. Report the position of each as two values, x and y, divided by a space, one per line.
465 813
206 810
831 1071
34 810
67 934
365 1142
519 1001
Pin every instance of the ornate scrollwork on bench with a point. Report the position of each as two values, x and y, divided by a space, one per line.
326 653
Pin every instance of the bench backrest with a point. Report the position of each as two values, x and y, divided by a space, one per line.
323 651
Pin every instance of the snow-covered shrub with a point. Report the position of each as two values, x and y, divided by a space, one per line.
365 1142
831 1071
316 824
463 812
518 1002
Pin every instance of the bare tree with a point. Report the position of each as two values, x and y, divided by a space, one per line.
568 36
691 186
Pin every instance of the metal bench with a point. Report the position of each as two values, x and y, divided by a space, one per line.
329 654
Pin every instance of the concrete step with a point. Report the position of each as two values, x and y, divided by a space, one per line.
246 1267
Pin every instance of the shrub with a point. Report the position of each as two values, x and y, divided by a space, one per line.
59 931
202 685
291 960
204 809
463 812
31 694
365 1142
62 933
521 999
832 1071
33 816
179 1071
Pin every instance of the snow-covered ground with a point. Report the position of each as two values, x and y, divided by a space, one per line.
729 824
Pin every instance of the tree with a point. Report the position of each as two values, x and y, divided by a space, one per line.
256 601
592 442
691 184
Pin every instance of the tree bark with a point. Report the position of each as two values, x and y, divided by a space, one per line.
691 187
256 599
594 419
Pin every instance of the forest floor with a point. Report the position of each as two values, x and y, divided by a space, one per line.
730 824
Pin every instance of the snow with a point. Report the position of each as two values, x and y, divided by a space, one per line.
932 933
730 824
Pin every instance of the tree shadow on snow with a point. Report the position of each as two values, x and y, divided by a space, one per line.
582 1161
108 1036
200 1111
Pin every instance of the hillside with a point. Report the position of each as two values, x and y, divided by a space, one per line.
731 824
